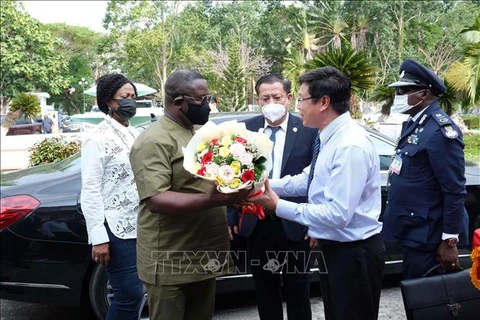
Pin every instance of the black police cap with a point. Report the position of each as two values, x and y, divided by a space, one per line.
413 74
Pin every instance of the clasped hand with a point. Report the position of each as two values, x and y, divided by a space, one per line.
268 199
230 199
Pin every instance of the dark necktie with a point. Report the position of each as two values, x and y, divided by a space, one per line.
273 137
406 125
316 150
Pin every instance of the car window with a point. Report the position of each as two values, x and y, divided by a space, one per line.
26 120
22 121
385 151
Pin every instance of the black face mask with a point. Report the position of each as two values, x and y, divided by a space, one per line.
198 114
127 108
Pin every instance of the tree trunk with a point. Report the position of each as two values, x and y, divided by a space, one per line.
4 101
164 70
400 33
11 117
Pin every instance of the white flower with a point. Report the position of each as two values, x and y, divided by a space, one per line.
226 173
246 159
212 169
237 149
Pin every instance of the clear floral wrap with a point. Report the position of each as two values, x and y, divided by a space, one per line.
230 154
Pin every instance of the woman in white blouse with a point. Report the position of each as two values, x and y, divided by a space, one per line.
109 194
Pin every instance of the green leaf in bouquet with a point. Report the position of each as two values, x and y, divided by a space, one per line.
258 169
218 160
260 160
229 159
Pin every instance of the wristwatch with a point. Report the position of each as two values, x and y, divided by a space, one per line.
451 242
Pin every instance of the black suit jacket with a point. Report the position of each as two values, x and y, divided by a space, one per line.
297 154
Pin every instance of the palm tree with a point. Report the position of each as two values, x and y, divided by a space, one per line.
303 36
464 75
386 95
357 65
330 24
301 47
361 26
449 99
334 32
293 67
23 104
448 102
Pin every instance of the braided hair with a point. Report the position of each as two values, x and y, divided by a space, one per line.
107 86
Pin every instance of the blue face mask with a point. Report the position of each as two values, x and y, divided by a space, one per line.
127 108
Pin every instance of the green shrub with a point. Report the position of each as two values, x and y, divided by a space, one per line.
51 150
472 147
472 121
27 103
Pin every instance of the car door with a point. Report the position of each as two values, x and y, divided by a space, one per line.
386 148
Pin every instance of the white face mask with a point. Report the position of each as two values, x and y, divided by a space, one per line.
273 111
400 103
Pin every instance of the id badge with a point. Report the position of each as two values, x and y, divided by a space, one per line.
396 164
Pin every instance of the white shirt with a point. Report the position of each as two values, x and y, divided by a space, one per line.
280 137
344 198
109 191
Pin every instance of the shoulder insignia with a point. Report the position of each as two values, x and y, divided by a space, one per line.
449 132
442 119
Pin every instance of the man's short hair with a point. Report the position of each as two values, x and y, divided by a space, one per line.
179 82
273 78
331 82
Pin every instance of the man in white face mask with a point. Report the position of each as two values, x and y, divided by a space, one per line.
273 236
425 208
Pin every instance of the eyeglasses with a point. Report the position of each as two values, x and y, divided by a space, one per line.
205 99
304 99
404 90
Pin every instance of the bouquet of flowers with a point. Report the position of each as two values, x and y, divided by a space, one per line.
230 155
475 256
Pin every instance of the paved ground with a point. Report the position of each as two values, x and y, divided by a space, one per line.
238 306
391 306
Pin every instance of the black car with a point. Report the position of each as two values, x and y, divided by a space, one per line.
45 255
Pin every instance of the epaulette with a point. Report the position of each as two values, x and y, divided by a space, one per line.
446 125
442 119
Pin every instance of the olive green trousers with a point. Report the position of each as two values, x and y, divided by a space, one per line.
189 301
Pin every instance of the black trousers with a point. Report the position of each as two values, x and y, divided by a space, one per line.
417 262
352 285
270 252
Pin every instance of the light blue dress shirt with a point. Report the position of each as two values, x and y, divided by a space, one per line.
344 198
278 146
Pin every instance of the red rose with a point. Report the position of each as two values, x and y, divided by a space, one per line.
214 142
248 175
207 158
241 140
201 171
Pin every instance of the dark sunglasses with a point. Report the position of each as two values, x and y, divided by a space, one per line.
404 90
